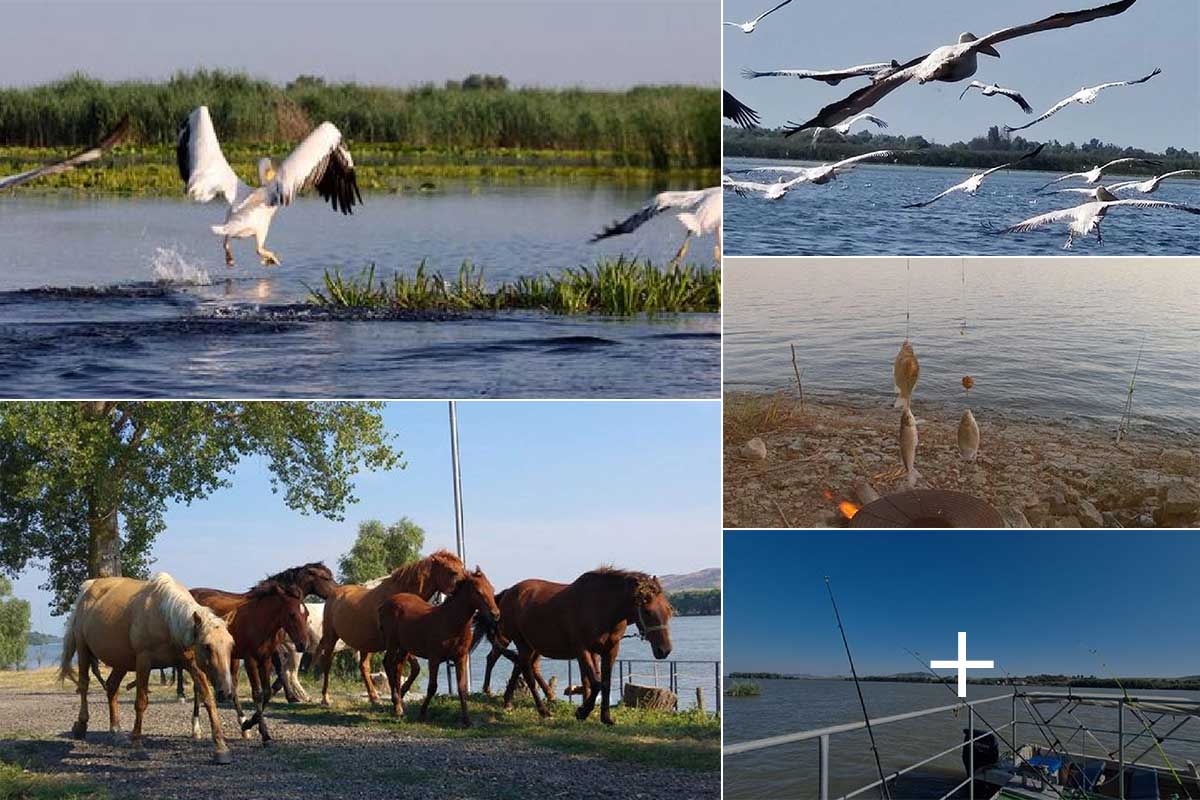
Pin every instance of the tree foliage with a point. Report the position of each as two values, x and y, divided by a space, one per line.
14 627
378 549
696 602
84 486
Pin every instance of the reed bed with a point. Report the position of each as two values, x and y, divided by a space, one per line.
620 287
743 690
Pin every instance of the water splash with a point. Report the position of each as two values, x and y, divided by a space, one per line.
169 266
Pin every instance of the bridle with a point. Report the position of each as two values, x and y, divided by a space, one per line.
643 628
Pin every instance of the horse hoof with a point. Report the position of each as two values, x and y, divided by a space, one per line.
325 702
79 730
245 734
222 757
180 699
581 714
608 721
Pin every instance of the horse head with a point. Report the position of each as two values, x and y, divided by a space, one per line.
445 570
213 648
295 623
477 590
313 578
652 614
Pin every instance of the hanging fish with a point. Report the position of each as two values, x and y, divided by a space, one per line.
968 436
905 372
908 446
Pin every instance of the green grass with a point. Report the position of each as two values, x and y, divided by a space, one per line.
17 783
621 287
743 690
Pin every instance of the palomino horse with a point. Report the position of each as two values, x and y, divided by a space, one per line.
577 620
134 625
352 611
269 610
413 627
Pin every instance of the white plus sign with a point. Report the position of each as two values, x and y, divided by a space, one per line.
962 664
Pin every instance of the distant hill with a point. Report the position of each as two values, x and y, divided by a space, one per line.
701 579
36 638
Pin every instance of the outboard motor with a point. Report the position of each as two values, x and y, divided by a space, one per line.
987 751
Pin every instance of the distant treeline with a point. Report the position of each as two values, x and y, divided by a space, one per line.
696 602
1075 681
663 127
990 150
762 676
36 638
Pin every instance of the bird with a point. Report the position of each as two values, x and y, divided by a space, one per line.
746 188
831 76
951 63
1085 218
844 128
822 174
737 111
905 371
71 162
1093 175
990 89
972 184
700 213
968 436
749 26
1150 185
1085 96
320 162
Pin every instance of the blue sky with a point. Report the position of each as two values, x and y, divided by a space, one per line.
1045 67
595 43
1032 601
551 490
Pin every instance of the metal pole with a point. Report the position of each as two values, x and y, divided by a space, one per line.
1121 749
823 768
717 684
1014 725
971 753
459 539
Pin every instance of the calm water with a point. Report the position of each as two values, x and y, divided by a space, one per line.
791 770
1056 340
213 333
861 213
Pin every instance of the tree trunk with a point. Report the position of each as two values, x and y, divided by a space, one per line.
104 544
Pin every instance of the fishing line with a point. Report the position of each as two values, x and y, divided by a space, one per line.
907 297
962 331
883 787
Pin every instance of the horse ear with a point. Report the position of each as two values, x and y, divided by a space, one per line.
197 620
478 571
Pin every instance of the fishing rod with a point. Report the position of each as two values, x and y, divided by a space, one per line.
883 786
1127 414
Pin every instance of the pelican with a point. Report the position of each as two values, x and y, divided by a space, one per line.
1086 218
1085 96
70 163
737 111
952 63
831 76
748 27
1093 175
843 129
1150 186
990 89
321 162
972 184
822 174
746 188
700 214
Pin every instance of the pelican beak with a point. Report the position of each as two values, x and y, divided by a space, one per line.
988 50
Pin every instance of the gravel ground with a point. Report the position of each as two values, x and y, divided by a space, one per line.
309 760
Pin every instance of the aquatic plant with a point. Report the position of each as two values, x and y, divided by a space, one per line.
743 690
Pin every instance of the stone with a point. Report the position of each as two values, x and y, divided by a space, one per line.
755 450
1059 506
1181 500
1013 518
1089 515
1067 522
1111 520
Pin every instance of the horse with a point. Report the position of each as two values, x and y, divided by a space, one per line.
135 625
412 626
270 610
581 619
352 611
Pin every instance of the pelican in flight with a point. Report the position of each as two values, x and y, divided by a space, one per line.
1093 175
321 162
747 188
71 162
700 213
1150 186
971 185
843 128
748 27
1085 96
952 63
737 111
818 175
1086 218
990 89
831 76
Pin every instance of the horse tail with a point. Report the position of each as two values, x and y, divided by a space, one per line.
65 671
477 628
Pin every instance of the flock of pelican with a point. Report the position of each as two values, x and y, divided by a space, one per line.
950 64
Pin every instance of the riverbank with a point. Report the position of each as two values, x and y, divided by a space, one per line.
1036 473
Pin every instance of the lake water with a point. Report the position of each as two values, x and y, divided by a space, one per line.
1050 339
786 706
212 332
861 213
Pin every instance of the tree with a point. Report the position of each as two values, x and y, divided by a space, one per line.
14 627
378 549
84 486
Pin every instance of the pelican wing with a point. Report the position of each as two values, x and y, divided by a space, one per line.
1133 203
831 76
1031 154
71 162
1062 178
321 162
706 217
1064 19
864 157
661 202
866 117
1114 84
1061 104
1049 218
737 111
744 188
1131 161
1011 94
859 100
761 16
202 165
958 187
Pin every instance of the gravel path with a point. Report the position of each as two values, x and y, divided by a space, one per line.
313 761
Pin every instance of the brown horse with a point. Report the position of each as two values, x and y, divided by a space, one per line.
352 611
135 625
270 610
412 627
582 619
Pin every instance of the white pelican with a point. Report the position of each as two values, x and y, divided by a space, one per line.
952 63
737 111
321 162
822 174
1086 218
1150 186
990 89
746 188
1093 175
70 163
700 214
843 128
972 184
831 76
748 27
1086 96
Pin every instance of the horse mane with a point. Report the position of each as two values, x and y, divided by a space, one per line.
416 573
645 587
292 574
272 586
178 608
